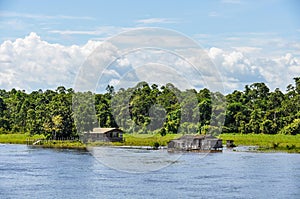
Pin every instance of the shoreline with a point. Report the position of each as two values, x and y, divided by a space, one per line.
84 148
53 146
262 142
266 142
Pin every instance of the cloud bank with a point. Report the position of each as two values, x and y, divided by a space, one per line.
31 63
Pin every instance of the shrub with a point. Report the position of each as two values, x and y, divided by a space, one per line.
155 145
291 129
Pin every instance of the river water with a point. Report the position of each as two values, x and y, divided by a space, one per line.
48 173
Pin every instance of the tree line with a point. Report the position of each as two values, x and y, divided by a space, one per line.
152 109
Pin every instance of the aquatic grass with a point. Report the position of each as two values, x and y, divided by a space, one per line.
265 142
63 144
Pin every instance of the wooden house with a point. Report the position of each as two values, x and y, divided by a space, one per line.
104 135
195 143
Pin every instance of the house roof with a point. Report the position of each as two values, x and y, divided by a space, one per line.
104 130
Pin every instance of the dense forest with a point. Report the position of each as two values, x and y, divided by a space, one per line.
152 109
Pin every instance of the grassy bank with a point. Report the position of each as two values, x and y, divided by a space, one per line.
279 142
63 144
147 140
18 138
21 138
286 143
129 140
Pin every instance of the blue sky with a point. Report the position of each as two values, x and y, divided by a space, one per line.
259 30
215 18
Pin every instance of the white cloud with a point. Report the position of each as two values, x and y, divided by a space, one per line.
76 32
156 21
36 16
123 62
267 41
31 63
215 52
275 71
247 49
16 24
100 33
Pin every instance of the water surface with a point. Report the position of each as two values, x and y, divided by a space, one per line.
47 173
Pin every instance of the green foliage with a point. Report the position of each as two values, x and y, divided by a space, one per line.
64 144
150 109
257 110
47 113
146 109
292 128
84 111
155 145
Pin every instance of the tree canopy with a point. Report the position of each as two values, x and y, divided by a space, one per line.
152 109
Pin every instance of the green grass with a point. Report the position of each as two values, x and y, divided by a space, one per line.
278 142
146 139
21 138
63 144
18 138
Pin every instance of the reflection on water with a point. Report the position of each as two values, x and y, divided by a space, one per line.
47 173
133 160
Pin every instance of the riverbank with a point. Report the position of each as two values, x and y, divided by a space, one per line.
153 141
266 143
18 138
143 140
147 139
24 138
62 144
